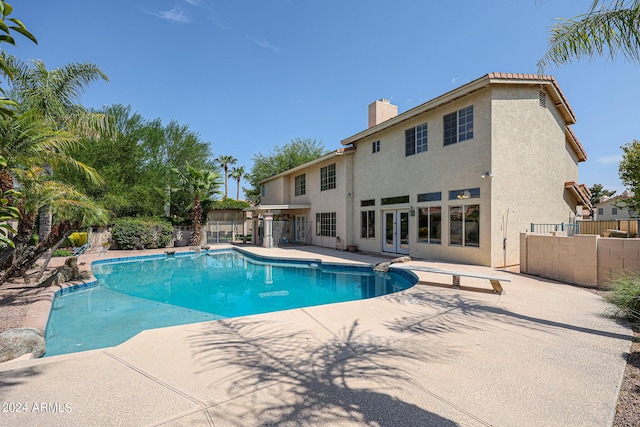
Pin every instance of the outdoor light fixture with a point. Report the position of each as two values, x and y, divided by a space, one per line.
412 211
487 174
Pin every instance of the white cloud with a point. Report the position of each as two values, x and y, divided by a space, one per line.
174 15
266 45
612 159
454 80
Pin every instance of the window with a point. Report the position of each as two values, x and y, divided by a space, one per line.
263 190
600 211
301 185
468 193
464 225
429 225
394 200
614 211
430 197
328 177
326 224
375 146
415 140
370 202
458 126
368 224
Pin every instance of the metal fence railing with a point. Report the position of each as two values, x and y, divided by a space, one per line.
570 228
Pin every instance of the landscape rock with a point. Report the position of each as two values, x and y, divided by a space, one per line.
16 342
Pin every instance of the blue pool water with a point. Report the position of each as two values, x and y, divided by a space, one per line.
147 293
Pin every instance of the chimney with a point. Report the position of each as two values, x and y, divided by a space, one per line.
380 111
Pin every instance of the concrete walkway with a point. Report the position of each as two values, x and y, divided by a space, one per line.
542 353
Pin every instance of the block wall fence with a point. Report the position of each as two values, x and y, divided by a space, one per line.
586 260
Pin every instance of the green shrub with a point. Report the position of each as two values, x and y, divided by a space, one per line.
62 252
141 233
78 239
625 295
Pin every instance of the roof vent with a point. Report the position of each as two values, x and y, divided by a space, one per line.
543 99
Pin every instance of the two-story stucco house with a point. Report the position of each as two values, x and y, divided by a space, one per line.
456 178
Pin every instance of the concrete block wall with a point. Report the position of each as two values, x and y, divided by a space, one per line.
616 255
587 260
566 259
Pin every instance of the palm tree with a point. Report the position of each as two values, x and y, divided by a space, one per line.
237 174
225 162
70 207
54 95
203 183
612 27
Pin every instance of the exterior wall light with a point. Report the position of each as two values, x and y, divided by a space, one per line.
487 174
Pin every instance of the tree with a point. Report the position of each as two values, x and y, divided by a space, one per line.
629 171
54 96
598 192
297 152
225 162
71 209
202 184
237 174
8 212
6 105
609 28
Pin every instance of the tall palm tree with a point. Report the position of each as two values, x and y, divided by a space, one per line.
237 173
54 95
611 26
225 162
203 184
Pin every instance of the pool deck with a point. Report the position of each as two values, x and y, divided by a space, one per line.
542 353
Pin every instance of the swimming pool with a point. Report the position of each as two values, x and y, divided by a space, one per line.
132 295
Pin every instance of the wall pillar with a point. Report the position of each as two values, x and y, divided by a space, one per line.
268 230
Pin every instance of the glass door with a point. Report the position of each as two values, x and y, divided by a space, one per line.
301 227
396 231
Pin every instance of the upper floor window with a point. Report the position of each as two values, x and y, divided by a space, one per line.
328 177
600 211
375 146
415 140
301 185
263 190
458 126
614 211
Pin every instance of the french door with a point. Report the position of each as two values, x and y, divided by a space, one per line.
396 231
301 227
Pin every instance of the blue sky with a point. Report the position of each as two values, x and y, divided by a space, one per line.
250 75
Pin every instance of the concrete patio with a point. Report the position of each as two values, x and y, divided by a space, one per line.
542 353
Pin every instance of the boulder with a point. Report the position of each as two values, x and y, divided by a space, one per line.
384 266
16 342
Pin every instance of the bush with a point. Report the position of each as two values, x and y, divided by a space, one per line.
625 295
141 233
62 252
78 239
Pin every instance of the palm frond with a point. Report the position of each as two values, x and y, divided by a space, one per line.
603 31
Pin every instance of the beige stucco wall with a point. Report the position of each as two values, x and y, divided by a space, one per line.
530 161
390 173
281 191
586 260
276 191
